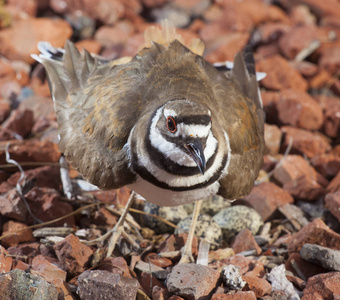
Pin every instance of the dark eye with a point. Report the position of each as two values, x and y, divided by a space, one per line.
171 124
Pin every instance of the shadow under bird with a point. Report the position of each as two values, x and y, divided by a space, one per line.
166 123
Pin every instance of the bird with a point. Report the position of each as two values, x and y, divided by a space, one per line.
166 123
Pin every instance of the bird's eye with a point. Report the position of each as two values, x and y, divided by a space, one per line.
171 124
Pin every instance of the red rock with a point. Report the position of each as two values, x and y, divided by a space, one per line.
19 122
280 75
46 205
320 80
91 46
332 203
104 217
25 249
18 46
5 261
304 142
301 15
30 151
175 242
186 281
159 293
327 164
272 137
40 177
322 286
16 233
243 263
297 39
162 262
118 34
330 59
256 284
308 269
297 108
245 241
331 108
322 8
5 110
18 264
334 185
28 7
335 86
47 268
116 265
306 68
12 206
299 178
40 106
269 32
148 282
316 232
72 254
266 198
239 295
297 281
228 47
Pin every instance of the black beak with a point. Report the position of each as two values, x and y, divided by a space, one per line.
196 151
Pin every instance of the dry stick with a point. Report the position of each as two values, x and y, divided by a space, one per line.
65 179
18 186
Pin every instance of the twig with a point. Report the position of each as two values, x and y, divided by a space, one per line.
65 179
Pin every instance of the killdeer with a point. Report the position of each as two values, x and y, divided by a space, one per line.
166 123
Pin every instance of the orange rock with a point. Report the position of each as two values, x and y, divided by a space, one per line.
73 255
15 45
272 137
115 265
239 295
266 198
334 185
280 74
316 232
47 268
162 262
327 164
256 284
322 286
16 233
5 261
332 201
20 122
245 241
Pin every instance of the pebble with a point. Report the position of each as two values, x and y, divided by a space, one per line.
232 278
323 256
235 218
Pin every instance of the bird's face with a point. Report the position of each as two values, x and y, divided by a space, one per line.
182 131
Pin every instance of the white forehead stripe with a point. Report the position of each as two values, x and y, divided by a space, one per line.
194 130
169 113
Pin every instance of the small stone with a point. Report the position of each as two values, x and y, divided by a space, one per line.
47 267
272 137
98 284
316 232
175 242
329 59
19 122
186 280
327 164
116 265
298 178
148 282
333 186
25 249
220 254
105 218
46 205
20 233
297 39
232 278
322 286
16 46
332 202
235 218
5 261
239 295
18 284
297 108
206 228
72 254
161 262
18 264
325 257
280 75
258 285
266 198
245 241
12 206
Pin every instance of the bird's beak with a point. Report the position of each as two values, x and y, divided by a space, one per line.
196 151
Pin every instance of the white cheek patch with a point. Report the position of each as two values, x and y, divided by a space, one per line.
194 130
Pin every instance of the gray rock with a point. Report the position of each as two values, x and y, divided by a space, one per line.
206 228
98 284
210 206
18 284
174 214
235 218
325 257
192 281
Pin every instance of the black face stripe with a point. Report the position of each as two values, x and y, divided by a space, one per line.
194 120
146 175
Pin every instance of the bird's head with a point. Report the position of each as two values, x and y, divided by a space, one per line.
182 130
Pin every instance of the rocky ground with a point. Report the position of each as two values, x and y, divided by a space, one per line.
280 242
